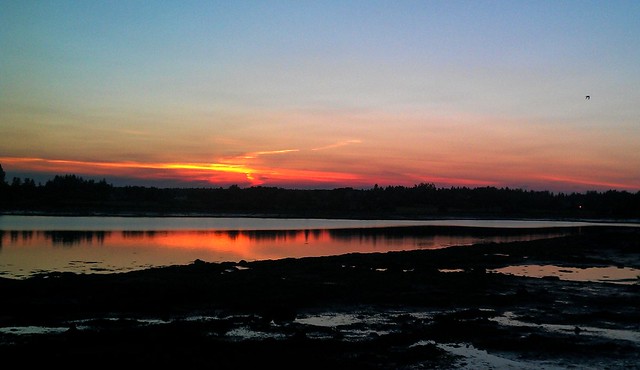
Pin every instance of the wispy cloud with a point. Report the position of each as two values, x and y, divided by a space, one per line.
269 152
338 144
590 183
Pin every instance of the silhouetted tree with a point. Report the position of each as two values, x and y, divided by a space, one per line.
70 193
2 176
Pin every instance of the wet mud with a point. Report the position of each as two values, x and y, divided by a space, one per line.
425 309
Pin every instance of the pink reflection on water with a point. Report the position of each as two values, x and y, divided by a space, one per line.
612 274
23 253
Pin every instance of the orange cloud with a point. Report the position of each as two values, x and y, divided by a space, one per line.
210 172
304 171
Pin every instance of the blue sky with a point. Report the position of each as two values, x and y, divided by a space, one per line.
324 93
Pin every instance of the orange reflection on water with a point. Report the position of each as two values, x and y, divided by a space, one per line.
23 253
237 245
28 252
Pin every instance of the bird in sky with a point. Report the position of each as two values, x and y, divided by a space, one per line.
588 97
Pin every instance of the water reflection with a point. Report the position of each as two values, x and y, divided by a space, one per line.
430 237
609 274
71 238
27 252
409 237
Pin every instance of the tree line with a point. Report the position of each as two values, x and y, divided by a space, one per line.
71 194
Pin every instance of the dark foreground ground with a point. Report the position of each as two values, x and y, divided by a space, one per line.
400 310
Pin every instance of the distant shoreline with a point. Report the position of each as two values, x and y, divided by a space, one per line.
297 216
71 195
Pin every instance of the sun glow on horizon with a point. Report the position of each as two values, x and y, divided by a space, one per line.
247 175
187 172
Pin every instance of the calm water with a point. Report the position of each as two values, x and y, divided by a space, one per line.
35 244
245 223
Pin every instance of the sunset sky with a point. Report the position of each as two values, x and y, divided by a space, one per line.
323 94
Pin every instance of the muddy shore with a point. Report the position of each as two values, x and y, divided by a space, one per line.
398 310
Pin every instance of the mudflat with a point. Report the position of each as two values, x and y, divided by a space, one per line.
426 309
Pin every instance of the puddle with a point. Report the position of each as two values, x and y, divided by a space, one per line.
27 330
472 358
609 274
509 319
330 320
248 333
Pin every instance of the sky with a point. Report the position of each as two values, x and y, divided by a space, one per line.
323 94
